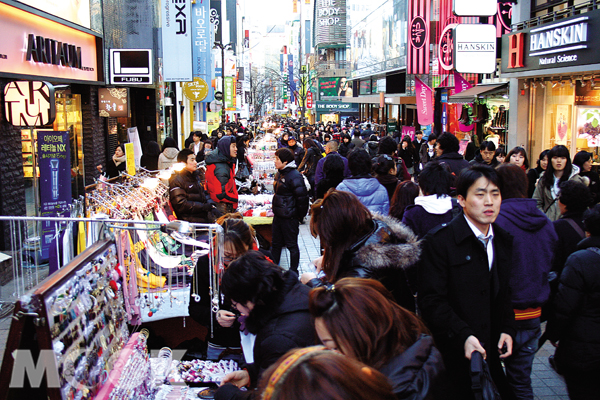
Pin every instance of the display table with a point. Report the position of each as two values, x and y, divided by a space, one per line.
262 226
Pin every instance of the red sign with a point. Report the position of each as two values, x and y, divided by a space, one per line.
309 100
418 37
516 43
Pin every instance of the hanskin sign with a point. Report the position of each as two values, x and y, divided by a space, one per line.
475 8
177 40
36 46
565 43
475 48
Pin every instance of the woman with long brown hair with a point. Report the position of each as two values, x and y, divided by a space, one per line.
359 244
359 318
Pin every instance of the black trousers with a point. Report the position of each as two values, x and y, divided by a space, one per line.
285 234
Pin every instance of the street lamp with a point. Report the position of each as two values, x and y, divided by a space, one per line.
219 45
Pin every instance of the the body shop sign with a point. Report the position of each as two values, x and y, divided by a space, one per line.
36 46
331 21
564 43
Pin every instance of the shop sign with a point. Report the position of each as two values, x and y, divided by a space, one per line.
331 21
35 46
201 50
336 106
565 43
586 96
423 95
55 180
29 103
113 102
417 58
196 90
475 48
479 8
130 67
309 100
177 40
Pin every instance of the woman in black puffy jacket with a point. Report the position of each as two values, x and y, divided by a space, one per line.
308 166
290 204
576 325
359 318
187 194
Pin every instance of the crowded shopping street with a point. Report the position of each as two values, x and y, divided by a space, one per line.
301 199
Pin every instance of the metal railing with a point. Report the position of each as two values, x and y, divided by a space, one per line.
556 15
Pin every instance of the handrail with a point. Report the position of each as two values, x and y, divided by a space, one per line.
555 16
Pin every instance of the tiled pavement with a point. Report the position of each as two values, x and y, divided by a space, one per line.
547 384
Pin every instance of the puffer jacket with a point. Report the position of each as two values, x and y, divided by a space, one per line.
291 197
545 201
220 178
371 146
389 254
298 153
167 158
369 191
577 306
418 373
188 198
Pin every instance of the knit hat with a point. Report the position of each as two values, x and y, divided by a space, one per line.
285 155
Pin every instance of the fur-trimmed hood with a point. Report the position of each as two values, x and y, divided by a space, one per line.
391 244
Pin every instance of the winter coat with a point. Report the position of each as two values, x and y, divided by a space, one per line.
278 327
424 154
389 254
545 201
479 160
167 158
319 172
201 311
577 306
460 296
389 182
594 184
188 198
532 177
220 178
418 373
358 142
533 246
407 156
568 239
308 166
369 191
113 170
298 153
291 197
433 212
345 148
455 161
372 146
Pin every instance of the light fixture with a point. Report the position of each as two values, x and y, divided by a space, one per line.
583 82
165 174
525 85
573 82
555 84
151 183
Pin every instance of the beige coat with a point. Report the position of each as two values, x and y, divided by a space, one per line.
543 195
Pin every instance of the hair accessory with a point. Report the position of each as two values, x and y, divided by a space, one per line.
286 366
329 287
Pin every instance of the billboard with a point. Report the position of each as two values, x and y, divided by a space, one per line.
330 22
339 87
177 40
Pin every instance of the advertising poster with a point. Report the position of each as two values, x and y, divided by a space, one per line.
177 40
134 137
561 133
229 93
588 125
54 163
130 154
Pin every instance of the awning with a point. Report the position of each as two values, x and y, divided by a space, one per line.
479 91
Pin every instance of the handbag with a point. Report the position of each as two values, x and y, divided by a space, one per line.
242 172
481 380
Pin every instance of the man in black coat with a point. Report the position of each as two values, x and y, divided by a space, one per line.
464 284
446 150
290 204
186 193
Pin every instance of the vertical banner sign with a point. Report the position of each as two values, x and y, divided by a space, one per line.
215 19
247 39
201 49
130 156
177 40
424 102
229 93
460 85
419 15
54 162
309 100
292 84
445 40
295 6
284 71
